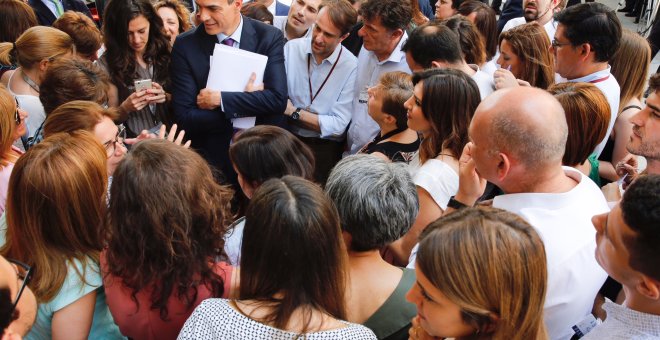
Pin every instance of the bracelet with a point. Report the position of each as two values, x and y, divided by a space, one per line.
455 204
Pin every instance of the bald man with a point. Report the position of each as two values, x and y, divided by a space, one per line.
15 321
518 137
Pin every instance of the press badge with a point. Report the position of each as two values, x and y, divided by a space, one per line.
364 95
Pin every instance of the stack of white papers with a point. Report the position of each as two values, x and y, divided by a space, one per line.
230 71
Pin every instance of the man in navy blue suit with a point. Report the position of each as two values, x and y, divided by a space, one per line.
47 11
206 114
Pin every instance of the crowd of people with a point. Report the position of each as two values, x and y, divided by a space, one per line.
416 170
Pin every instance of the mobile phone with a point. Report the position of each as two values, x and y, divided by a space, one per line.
142 84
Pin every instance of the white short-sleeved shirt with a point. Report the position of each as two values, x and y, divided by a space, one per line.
563 220
216 319
436 177
625 323
234 241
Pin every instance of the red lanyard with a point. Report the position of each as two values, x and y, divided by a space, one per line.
309 76
600 79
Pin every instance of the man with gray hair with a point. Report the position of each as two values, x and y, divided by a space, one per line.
518 137
377 204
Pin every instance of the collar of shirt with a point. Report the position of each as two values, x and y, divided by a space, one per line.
332 58
397 55
546 201
636 321
236 35
591 77
271 7
51 6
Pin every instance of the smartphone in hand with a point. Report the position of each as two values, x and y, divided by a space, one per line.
142 84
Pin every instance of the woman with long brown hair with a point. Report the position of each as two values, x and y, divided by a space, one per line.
440 109
55 209
485 20
12 127
293 272
165 230
34 51
525 55
137 49
490 285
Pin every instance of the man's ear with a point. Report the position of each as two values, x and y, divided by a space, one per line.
343 37
439 64
397 33
649 288
503 166
585 51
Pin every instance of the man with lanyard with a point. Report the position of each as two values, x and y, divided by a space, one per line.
586 38
321 78
383 33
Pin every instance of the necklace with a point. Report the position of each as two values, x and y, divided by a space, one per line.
29 81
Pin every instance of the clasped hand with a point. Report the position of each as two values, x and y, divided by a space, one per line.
209 99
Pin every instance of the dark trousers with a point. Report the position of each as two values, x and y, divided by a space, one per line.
327 153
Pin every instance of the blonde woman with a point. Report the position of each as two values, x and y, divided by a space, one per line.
490 285
630 67
34 51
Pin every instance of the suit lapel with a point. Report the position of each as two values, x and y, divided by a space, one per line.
248 36
207 42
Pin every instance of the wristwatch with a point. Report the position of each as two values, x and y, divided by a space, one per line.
453 203
296 114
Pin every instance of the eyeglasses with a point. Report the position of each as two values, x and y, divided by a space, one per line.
24 273
556 43
17 116
111 146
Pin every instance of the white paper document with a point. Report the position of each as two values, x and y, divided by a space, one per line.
230 71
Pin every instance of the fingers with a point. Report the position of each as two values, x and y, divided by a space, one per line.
161 132
179 138
466 155
171 135
130 141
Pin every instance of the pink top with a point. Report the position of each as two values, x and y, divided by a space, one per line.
145 323
5 173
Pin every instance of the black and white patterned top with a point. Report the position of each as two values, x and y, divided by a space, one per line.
216 319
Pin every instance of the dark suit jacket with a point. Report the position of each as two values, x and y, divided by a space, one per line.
211 130
512 9
281 9
46 17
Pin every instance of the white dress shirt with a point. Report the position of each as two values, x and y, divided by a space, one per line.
563 220
334 102
550 26
484 81
363 129
606 82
